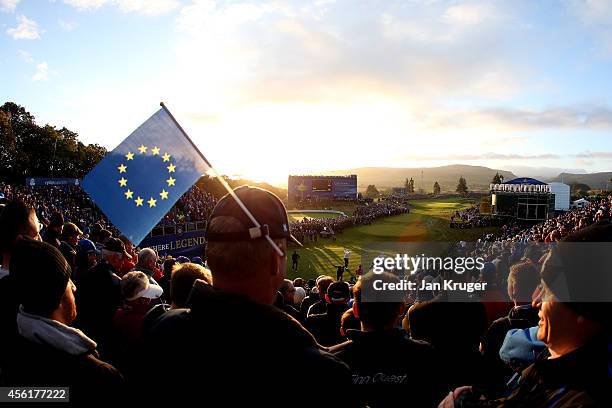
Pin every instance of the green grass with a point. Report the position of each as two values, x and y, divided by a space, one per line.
428 220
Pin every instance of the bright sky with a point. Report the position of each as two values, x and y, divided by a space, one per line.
272 88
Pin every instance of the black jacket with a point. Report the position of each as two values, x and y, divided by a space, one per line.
9 305
88 378
325 327
98 297
498 373
389 369
581 378
228 348
307 302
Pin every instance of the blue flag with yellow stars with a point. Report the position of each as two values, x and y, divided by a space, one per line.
136 184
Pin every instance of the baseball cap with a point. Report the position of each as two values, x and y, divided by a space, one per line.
116 245
41 274
197 260
338 292
87 246
265 206
182 259
136 284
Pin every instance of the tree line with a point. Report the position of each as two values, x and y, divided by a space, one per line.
28 149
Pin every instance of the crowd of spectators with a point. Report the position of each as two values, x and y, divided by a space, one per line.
87 310
472 218
555 228
311 229
76 206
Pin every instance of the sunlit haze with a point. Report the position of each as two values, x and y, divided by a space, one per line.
272 88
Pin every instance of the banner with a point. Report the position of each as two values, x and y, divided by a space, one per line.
187 244
40 181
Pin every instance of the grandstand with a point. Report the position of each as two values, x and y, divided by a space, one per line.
321 188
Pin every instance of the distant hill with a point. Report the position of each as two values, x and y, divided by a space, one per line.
477 177
594 180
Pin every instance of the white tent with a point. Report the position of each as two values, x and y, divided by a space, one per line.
580 203
562 195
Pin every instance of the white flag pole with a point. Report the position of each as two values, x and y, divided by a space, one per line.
223 182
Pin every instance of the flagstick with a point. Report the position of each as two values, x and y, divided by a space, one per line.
223 182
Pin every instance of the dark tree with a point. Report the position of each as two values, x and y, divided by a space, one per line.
436 188
497 179
372 191
410 186
30 150
462 187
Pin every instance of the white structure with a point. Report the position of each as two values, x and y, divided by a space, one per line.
580 203
562 195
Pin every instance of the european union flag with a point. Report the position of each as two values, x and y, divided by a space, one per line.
136 184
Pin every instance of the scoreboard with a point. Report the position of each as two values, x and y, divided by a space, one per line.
301 188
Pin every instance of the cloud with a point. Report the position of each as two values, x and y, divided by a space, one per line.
26 30
294 52
86 4
483 156
42 72
469 13
564 117
66 25
8 6
586 116
148 7
594 155
27 57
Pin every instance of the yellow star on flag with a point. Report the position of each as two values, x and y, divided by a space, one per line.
138 201
155 151
163 195
170 181
123 182
171 168
130 156
122 168
152 202
142 149
128 194
166 157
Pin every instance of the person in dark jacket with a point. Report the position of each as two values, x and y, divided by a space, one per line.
99 294
575 304
312 298
183 277
287 291
69 241
522 282
53 232
17 221
320 306
385 363
454 329
326 326
48 351
231 343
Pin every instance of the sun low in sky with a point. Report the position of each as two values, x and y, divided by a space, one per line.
272 88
